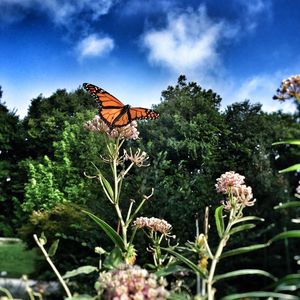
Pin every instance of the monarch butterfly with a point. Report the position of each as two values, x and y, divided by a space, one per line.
113 112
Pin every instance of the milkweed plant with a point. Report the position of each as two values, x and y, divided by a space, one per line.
120 276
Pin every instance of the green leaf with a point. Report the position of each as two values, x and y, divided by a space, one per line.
170 270
80 270
114 258
53 248
261 294
244 272
81 297
241 228
291 279
244 250
186 261
286 235
219 220
114 236
287 205
179 296
107 186
291 168
290 142
248 218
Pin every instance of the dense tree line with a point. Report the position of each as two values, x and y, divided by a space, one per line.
48 157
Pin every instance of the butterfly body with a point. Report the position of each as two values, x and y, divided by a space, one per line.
113 112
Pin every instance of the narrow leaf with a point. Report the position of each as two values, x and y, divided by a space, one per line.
290 142
53 248
244 272
107 186
241 228
219 220
261 294
186 261
244 250
288 205
286 235
290 279
291 168
114 236
248 218
80 270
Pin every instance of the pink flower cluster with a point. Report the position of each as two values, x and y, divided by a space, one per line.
132 283
128 132
289 88
155 224
228 180
233 183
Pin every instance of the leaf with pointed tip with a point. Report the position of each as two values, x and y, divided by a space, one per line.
53 248
262 294
241 228
291 168
219 220
248 218
186 261
79 271
244 272
244 250
287 205
286 235
114 236
290 142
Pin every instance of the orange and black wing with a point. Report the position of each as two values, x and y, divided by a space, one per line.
110 108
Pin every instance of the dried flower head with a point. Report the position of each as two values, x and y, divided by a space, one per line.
228 180
138 158
128 132
289 88
131 282
155 224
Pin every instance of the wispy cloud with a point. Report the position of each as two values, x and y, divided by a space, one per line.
189 42
254 12
94 46
61 12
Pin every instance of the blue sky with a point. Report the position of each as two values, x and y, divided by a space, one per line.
136 48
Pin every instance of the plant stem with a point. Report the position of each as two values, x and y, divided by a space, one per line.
53 266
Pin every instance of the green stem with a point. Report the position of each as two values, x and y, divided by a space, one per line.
53 266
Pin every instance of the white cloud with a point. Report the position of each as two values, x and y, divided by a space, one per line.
94 46
258 89
62 12
189 43
254 12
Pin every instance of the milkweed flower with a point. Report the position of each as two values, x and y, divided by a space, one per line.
138 158
228 180
128 132
131 282
289 88
154 224
239 195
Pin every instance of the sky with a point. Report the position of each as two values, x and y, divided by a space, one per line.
134 49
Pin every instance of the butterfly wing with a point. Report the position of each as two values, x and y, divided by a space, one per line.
110 108
113 112
139 113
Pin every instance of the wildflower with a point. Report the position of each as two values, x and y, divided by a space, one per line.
228 180
138 158
132 283
155 224
128 132
289 88
243 195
